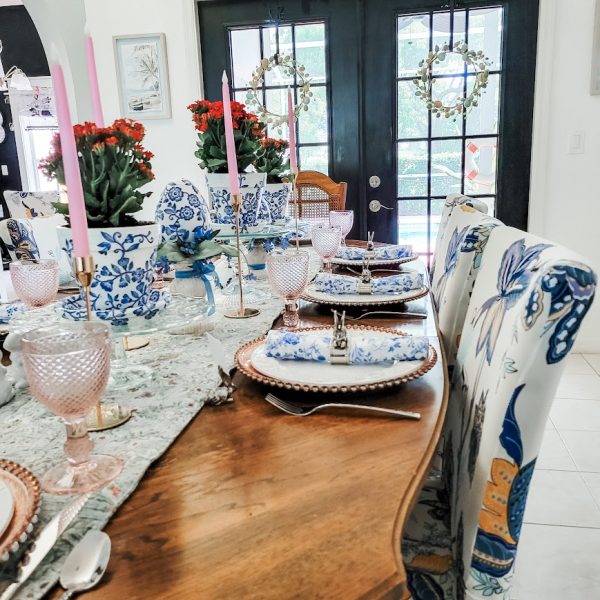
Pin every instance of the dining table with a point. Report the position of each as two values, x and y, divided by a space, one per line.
252 503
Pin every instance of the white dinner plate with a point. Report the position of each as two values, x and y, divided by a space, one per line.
310 373
7 506
312 295
345 262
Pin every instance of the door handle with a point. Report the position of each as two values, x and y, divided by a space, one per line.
376 206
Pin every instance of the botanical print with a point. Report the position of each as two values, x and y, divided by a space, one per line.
450 262
143 76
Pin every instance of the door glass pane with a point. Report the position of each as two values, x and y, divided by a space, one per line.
413 42
437 206
413 176
310 50
485 33
277 76
442 26
446 167
245 51
413 224
480 166
312 124
314 158
484 119
412 113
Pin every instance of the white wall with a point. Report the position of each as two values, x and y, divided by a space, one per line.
565 190
171 140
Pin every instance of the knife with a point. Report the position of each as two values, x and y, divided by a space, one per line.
45 542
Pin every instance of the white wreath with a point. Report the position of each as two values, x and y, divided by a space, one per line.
291 68
424 80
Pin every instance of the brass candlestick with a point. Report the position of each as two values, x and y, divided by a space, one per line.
104 416
241 312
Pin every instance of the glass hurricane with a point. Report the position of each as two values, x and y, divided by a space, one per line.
326 241
288 275
35 282
344 219
67 367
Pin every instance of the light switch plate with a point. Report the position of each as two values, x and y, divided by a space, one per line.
577 142
4 170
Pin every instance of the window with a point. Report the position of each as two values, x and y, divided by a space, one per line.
306 42
438 156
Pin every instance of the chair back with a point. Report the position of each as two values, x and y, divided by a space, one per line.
460 251
28 205
17 235
317 195
529 300
452 201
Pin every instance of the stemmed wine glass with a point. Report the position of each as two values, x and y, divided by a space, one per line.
326 241
343 219
67 367
35 281
288 275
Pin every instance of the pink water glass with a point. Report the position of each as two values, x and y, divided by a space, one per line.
288 276
35 281
326 241
67 367
344 219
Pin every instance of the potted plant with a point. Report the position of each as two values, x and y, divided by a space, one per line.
193 253
278 188
114 166
209 122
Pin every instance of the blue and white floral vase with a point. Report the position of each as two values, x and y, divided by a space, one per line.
277 196
256 257
251 190
181 208
124 259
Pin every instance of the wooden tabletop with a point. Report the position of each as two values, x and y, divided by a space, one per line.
250 503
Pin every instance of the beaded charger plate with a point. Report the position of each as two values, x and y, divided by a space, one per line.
316 377
26 494
312 295
357 263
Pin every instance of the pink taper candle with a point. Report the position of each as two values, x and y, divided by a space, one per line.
292 129
77 213
93 79
234 181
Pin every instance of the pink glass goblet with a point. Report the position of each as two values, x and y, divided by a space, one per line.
288 276
67 367
35 282
326 241
344 219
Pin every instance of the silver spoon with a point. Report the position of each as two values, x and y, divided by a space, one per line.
86 563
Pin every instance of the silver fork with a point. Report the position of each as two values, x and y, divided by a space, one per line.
304 411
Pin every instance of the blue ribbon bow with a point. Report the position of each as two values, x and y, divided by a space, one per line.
203 270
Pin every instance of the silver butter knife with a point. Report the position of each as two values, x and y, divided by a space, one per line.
45 542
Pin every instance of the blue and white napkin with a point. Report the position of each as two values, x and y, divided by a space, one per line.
363 348
378 253
340 285
8 311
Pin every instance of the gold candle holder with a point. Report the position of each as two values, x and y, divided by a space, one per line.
241 312
104 416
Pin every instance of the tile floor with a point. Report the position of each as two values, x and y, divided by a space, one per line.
559 550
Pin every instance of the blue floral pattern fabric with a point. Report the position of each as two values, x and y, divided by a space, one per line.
17 235
28 205
181 208
346 284
379 253
362 348
529 300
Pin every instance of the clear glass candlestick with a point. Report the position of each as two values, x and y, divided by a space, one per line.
344 219
35 282
67 367
288 275
326 241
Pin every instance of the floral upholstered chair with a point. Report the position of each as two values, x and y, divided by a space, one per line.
452 201
459 253
17 235
28 205
180 210
528 303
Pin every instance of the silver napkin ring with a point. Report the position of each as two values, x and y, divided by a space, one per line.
338 352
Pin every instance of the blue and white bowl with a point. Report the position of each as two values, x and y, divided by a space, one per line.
124 259
251 189
181 208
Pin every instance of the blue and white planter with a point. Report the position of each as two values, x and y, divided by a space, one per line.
251 189
277 196
124 258
256 258
181 208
